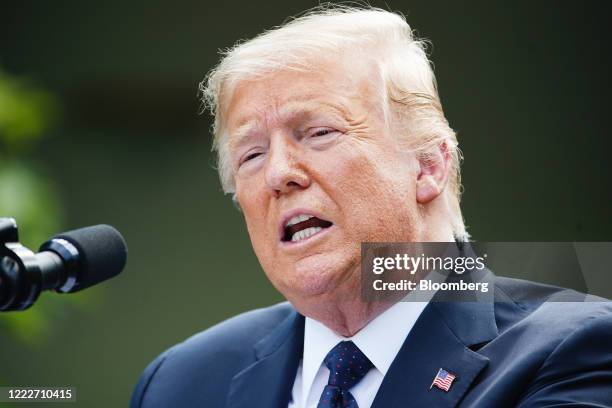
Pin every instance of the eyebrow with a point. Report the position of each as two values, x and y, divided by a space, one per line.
299 110
240 135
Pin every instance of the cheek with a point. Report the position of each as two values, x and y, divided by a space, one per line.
375 191
259 232
374 176
255 211
264 245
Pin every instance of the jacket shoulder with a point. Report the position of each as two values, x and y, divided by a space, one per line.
521 302
561 313
237 333
207 361
576 365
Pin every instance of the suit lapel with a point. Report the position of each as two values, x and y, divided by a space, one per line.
268 382
441 338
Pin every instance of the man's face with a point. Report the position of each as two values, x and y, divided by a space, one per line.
317 172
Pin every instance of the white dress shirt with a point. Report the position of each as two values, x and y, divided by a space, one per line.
380 341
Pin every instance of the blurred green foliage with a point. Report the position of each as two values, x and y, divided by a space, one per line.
29 198
27 113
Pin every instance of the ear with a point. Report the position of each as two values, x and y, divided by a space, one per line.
433 174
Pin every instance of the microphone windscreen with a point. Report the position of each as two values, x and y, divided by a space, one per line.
102 253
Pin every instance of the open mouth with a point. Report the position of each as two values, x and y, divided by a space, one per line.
302 227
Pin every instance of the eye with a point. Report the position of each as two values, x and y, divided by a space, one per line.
249 157
320 132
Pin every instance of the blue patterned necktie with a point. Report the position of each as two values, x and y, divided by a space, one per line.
347 366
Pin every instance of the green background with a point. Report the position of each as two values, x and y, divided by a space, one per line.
525 84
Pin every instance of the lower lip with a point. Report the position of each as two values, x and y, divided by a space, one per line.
310 239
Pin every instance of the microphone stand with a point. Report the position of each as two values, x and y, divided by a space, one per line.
20 276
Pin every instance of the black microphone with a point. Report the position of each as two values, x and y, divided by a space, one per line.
77 259
67 263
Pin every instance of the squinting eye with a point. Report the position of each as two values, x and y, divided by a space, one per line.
249 157
322 132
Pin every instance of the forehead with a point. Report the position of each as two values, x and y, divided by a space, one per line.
332 87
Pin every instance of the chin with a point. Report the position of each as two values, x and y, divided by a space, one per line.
315 276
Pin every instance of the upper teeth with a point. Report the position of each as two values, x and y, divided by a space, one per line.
298 219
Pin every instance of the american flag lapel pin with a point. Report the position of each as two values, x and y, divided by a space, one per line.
443 380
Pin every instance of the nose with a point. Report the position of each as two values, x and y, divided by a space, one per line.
284 171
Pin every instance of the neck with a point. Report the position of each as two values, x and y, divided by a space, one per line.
343 310
348 318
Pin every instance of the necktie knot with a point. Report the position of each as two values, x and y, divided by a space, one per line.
347 365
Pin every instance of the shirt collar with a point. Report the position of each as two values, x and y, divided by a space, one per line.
380 340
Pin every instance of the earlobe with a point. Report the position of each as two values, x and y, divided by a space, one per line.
433 174
427 189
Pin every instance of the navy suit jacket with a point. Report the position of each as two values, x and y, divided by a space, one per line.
532 347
